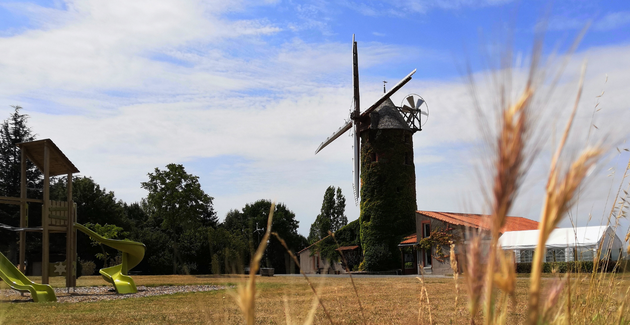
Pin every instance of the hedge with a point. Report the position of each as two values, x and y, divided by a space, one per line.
564 267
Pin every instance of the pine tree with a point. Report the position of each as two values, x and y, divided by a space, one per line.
12 131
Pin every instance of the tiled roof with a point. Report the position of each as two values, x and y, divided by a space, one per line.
347 248
409 240
473 221
480 220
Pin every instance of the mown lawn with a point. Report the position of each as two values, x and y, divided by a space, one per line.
394 300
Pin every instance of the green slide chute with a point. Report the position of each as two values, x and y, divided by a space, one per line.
18 281
132 254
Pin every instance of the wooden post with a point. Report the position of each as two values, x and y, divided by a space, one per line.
23 210
70 249
74 241
45 213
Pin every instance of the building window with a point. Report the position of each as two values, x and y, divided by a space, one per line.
585 254
407 138
560 255
374 157
555 255
527 255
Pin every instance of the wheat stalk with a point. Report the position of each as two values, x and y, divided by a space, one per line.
319 300
473 274
424 292
356 292
455 274
246 295
560 191
509 173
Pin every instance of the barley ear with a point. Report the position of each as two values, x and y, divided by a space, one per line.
318 299
246 295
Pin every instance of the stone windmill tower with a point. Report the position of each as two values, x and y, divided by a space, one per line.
383 160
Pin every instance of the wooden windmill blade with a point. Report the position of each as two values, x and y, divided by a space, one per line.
356 168
388 94
357 109
355 78
334 136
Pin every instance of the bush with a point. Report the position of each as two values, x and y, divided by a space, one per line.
523 267
87 267
574 267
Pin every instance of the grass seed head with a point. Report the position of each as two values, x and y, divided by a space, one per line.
246 294
505 277
553 295
561 192
474 273
452 258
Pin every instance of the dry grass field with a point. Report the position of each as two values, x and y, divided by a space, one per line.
288 299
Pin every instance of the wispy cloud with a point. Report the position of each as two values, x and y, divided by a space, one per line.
610 21
407 7
613 21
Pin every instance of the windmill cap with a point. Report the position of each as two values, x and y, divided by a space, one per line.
388 117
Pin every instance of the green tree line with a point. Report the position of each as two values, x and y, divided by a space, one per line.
176 220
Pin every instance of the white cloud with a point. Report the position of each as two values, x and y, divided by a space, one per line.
124 89
107 45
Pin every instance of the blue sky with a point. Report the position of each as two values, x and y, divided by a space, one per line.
242 92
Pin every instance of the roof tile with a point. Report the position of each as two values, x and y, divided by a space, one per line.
480 220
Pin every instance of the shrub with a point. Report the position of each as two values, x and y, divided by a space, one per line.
574 267
87 267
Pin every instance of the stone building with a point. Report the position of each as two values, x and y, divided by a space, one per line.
388 186
311 261
460 226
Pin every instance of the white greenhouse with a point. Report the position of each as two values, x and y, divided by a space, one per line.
564 244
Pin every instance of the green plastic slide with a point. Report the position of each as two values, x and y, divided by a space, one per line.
133 252
18 281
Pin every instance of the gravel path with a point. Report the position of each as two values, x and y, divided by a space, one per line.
87 294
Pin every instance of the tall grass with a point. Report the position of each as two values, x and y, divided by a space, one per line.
489 273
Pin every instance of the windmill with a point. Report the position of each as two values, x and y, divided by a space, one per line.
383 161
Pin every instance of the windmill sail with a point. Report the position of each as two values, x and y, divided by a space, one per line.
356 115
335 135
356 168
389 93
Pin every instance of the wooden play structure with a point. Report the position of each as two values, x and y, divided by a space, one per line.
57 216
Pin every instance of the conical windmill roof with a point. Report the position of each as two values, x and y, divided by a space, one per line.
388 117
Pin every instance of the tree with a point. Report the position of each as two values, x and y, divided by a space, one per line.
251 223
177 204
228 250
12 131
331 217
95 205
339 220
110 232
